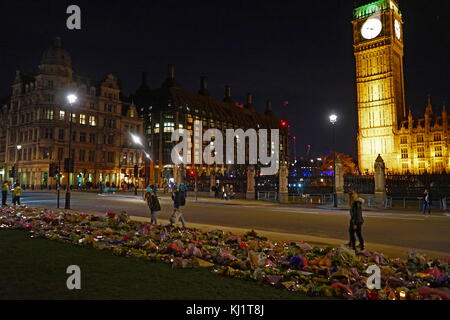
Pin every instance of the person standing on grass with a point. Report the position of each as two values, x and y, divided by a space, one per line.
356 220
5 188
427 202
153 205
17 193
178 201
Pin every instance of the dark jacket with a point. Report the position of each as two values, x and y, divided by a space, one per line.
356 216
178 198
153 203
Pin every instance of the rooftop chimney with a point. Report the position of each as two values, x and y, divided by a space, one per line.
171 72
249 100
144 78
228 97
268 106
203 86
57 42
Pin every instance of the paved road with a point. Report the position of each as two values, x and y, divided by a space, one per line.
409 230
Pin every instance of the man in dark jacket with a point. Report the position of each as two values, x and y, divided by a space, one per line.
5 188
427 202
356 220
179 200
153 205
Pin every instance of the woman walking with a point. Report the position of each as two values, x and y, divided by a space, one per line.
153 205
356 220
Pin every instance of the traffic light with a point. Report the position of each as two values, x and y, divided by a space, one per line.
68 165
51 170
136 171
12 172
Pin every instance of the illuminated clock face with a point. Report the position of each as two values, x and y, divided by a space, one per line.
398 29
371 28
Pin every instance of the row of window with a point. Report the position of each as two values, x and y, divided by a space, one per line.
421 152
46 153
404 140
439 165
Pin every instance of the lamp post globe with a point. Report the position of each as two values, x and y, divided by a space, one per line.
333 118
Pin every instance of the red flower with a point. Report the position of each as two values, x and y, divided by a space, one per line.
111 214
372 295
243 245
126 237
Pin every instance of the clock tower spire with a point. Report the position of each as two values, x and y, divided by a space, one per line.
378 49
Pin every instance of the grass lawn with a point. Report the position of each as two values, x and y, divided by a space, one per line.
36 269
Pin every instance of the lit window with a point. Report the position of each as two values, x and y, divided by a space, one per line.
74 117
421 152
404 153
438 151
62 115
156 127
49 114
169 126
82 119
92 121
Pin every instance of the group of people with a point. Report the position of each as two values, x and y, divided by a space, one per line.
178 198
224 192
16 192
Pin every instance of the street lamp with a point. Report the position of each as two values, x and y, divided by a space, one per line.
16 173
333 120
71 98
137 140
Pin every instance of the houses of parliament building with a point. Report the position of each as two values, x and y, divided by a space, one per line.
385 126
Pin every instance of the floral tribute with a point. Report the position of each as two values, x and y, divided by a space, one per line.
295 266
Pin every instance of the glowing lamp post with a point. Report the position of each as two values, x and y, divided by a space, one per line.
138 141
71 99
333 119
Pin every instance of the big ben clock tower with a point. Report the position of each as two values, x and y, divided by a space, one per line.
378 48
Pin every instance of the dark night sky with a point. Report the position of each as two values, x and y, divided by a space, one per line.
300 51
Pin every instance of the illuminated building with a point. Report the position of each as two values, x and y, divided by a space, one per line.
384 125
170 107
36 118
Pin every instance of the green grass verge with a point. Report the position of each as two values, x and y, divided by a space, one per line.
36 269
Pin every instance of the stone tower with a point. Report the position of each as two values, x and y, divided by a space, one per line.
378 49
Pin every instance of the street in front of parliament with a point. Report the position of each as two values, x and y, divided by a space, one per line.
389 231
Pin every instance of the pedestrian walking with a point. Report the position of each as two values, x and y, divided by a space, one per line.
153 205
5 188
183 189
17 193
444 203
356 220
178 201
427 202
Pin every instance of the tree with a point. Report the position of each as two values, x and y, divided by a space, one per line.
347 161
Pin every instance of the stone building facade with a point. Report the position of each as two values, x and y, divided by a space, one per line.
35 127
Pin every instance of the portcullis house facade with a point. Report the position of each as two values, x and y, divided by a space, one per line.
171 107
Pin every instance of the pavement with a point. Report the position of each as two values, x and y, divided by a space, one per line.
387 231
